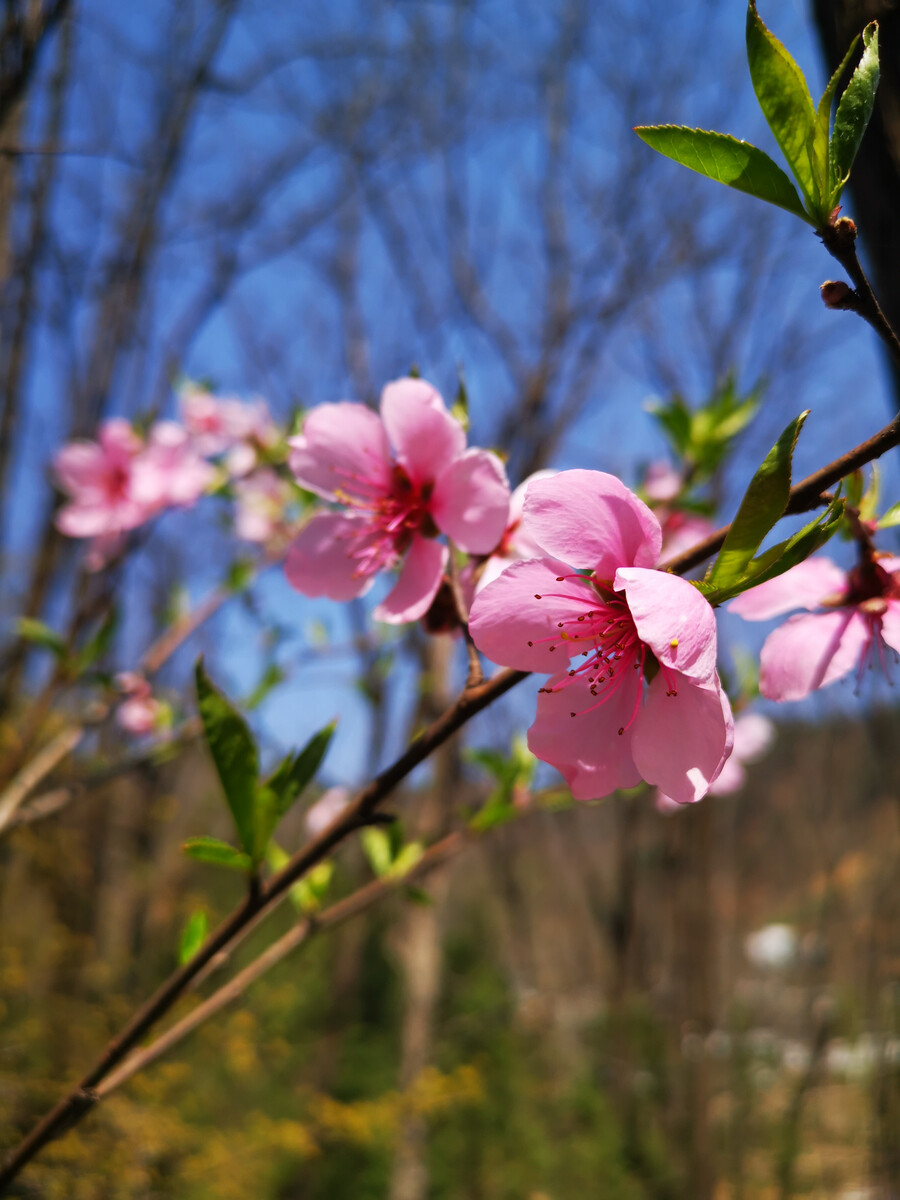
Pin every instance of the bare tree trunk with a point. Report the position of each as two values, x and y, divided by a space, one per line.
419 942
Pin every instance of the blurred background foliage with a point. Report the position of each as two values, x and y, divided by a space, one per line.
302 201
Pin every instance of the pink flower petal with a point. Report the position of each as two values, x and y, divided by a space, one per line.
591 520
319 562
672 618
587 749
681 742
803 586
424 435
417 586
118 439
753 735
471 501
507 615
810 651
890 625
81 467
343 448
730 779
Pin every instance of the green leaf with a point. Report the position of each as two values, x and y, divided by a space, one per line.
296 772
822 145
309 892
891 518
722 157
786 104
96 647
405 860
675 418
234 753
193 936
219 853
417 895
763 504
39 634
240 575
778 559
853 113
271 677
377 847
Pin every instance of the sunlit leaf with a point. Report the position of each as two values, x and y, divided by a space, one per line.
763 504
722 157
786 104
193 936
854 110
234 753
219 853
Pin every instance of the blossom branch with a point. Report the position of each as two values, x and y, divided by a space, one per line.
69 1110
336 914
78 1101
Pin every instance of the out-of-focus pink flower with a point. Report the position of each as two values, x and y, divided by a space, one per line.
516 544
225 424
398 504
662 482
753 735
681 531
325 809
860 618
169 472
140 712
261 500
598 598
99 479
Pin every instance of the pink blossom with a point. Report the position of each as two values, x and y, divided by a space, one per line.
662 482
753 734
329 805
261 500
860 618
220 424
681 531
397 505
516 544
99 479
595 595
140 712
169 472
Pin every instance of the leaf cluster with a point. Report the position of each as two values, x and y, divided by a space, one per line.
256 805
819 153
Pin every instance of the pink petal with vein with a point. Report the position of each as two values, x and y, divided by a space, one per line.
471 501
587 749
506 615
803 586
424 435
591 520
672 618
343 447
681 742
319 562
810 651
417 586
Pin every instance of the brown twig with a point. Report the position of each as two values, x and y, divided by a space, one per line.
363 898
73 1106
806 495
476 675
839 239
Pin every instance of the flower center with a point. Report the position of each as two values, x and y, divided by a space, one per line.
393 517
606 637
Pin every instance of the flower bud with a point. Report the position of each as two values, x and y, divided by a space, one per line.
835 293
